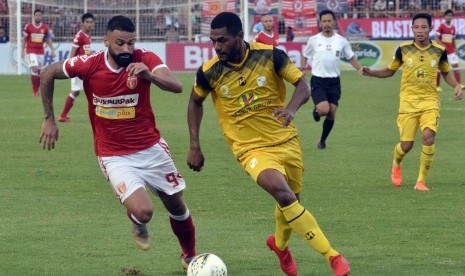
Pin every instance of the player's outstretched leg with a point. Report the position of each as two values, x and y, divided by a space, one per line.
303 222
184 229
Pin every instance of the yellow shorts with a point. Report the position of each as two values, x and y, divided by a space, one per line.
409 123
286 158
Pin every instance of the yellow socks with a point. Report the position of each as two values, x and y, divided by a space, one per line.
398 154
426 159
283 231
302 222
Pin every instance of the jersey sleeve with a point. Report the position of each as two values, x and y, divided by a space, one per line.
201 85
444 65
284 67
76 67
347 49
77 41
308 50
396 62
152 61
439 31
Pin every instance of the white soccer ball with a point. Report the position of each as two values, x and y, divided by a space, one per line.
207 264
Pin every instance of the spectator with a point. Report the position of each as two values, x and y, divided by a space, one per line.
289 34
172 34
380 7
267 35
3 36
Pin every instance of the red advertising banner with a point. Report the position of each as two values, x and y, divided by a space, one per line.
301 15
390 28
212 8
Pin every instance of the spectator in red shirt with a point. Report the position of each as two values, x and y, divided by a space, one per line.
267 35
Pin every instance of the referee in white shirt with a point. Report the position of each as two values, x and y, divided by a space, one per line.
323 52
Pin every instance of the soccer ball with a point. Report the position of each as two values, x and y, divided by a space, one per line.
207 264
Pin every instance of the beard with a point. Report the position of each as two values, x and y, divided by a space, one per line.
123 60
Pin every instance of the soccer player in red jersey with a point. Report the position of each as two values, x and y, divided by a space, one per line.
35 34
81 46
445 35
267 35
132 154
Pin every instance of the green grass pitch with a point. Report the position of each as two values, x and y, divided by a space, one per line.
60 217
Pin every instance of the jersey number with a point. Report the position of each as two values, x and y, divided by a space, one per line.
173 178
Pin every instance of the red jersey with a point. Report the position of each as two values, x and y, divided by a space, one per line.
82 42
118 105
447 35
265 38
36 36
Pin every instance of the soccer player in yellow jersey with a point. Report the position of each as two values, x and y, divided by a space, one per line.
419 100
246 83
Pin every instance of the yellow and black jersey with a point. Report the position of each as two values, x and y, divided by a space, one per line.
420 66
245 95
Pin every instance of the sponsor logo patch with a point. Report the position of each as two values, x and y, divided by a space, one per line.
115 113
121 188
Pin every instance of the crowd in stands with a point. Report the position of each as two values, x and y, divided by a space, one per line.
156 22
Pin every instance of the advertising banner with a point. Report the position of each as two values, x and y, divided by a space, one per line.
390 28
301 15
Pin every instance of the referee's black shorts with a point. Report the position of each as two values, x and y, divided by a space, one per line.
326 89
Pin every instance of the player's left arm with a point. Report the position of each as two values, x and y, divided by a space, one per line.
161 77
450 79
48 75
284 67
300 97
354 62
448 74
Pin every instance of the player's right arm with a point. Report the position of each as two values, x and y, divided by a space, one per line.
49 134
195 158
382 73
23 44
73 52
438 35
388 71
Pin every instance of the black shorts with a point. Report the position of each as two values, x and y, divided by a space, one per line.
326 89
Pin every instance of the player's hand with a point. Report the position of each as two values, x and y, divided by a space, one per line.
195 159
364 71
280 113
138 69
49 134
458 95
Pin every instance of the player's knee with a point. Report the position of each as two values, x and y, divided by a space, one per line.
428 141
285 198
406 147
144 215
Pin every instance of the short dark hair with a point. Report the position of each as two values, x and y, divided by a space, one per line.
87 15
324 12
36 11
424 16
121 23
449 11
230 20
